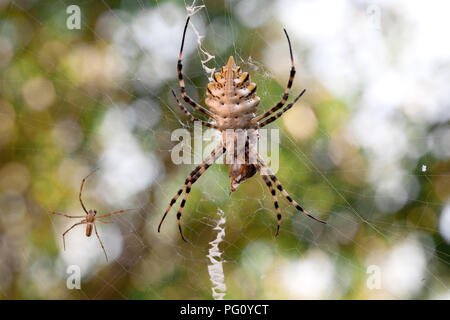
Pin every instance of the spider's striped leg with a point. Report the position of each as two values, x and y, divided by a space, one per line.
283 100
284 192
279 114
202 170
81 190
177 195
268 184
101 243
65 215
181 80
190 176
274 197
76 224
190 116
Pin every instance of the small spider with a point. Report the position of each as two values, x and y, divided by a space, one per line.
89 219
232 102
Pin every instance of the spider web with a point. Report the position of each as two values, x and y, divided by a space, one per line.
367 153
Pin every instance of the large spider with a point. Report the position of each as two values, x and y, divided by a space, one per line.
232 102
89 220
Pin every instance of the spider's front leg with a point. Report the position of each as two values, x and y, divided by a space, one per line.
81 190
185 97
65 215
190 116
114 213
279 114
283 100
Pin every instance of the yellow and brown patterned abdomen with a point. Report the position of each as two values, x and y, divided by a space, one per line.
232 97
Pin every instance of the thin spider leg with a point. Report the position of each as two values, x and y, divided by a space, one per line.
101 243
192 174
185 97
188 189
65 215
115 212
104 222
76 224
274 198
190 116
283 100
268 184
284 192
179 192
81 190
279 114
183 202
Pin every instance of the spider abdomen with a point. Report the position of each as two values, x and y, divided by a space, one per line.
240 121
232 98
88 230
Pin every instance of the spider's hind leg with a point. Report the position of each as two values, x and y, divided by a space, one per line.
206 164
65 232
284 192
274 198
186 195
101 243
190 180
177 195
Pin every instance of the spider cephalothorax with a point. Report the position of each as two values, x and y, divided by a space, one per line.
232 103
